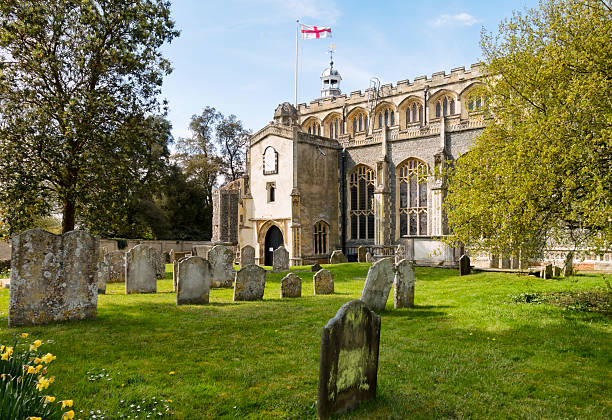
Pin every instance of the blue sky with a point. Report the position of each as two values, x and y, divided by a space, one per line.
239 56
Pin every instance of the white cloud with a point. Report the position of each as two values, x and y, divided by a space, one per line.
324 11
460 19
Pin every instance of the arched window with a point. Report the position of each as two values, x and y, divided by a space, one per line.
360 122
313 127
386 117
475 103
445 106
321 230
270 161
408 115
318 129
361 211
412 178
392 118
354 125
438 110
380 117
414 112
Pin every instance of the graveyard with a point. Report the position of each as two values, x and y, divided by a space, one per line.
468 348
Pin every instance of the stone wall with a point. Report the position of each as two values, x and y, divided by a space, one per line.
225 215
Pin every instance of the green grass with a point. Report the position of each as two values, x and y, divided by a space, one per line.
464 351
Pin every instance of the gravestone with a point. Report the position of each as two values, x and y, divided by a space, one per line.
280 259
102 276
103 252
361 254
291 286
369 258
546 272
193 285
182 254
323 282
175 273
247 256
315 267
250 283
568 266
348 367
53 277
201 250
166 257
400 253
141 270
464 265
403 293
556 271
221 259
172 256
337 257
160 265
116 266
378 284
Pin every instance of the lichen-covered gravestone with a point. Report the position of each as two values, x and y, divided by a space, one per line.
250 283
102 277
193 284
141 270
323 282
53 277
315 267
348 368
403 296
337 257
221 259
280 259
547 271
116 266
361 254
291 286
247 256
160 265
378 284
464 265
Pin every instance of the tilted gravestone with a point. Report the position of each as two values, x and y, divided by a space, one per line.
464 265
193 285
315 267
546 271
291 286
116 266
337 257
247 256
102 276
53 277
250 283
403 292
201 250
361 254
348 368
323 282
378 284
141 270
280 259
221 259
369 258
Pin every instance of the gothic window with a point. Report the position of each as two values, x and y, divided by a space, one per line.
320 238
414 113
270 158
361 210
412 179
392 118
386 117
438 110
475 104
354 125
318 130
445 106
313 127
360 122
380 119
271 187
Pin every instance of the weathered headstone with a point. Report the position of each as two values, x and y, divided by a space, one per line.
182 254
221 259
175 273
403 296
172 256
291 286
193 286
323 282
280 259
464 265
102 276
556 271
337 257
116 266
568 266
250 283
160 265
361 254
400 253
103 252
141 270
201 250
369 258
53 277
547 271
315 267
378 284
348 369
247 256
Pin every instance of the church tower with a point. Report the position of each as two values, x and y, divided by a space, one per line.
330 81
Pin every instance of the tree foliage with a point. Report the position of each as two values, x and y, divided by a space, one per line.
79 81
542 168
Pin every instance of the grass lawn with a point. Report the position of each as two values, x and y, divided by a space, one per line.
464 351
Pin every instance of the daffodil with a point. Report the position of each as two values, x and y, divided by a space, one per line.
35 345
171 372
39 368
5 356
24 335
66 403
43 383
68 415
49 399
34 418
48 358
31 369
37 360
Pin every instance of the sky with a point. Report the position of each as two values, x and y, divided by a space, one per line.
239 56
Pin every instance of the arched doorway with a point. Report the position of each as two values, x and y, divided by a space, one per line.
274 239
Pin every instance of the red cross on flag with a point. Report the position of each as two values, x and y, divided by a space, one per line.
314 32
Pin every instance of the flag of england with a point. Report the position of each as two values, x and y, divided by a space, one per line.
314 32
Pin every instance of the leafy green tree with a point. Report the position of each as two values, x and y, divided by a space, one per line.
232 139
542 169
79 81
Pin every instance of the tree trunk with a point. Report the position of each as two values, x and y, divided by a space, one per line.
68 215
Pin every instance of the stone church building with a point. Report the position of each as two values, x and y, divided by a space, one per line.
345 171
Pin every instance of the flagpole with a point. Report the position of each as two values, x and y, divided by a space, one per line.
297 31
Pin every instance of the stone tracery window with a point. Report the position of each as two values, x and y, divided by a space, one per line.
414 113
361 211
270 161
335 127
313 127
321 230
386 116
445 105
412 180
359 122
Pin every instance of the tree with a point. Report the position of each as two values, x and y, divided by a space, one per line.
542 168
232 139
79 81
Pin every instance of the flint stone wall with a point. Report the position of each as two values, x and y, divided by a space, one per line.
116 266
323 282
291 286
280 259
53 277
250 283
141 270
193 285
348 366
403 293
378 284
221 259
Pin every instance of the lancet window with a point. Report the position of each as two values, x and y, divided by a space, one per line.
361 211
412 179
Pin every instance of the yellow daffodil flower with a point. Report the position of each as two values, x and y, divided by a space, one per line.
35 345
2 347
66 403
5 356
34 418
43 383
52 379
68 415
24 335
9 350
171 373
49 399
31 369
37 360
48 358
39 368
